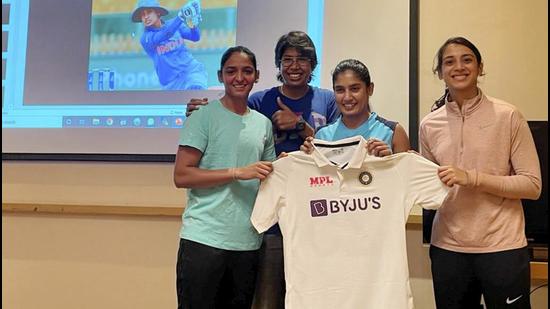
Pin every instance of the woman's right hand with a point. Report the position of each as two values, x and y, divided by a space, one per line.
307 146
258 170
194 104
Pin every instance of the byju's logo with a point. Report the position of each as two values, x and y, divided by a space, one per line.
320 181
321 208
318 208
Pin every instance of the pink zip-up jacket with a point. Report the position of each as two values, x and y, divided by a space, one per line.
491 141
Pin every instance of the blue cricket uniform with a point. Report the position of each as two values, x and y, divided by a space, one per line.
176 68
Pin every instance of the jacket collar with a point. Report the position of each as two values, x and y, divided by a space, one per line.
468 107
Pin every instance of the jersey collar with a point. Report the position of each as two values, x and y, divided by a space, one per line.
356 160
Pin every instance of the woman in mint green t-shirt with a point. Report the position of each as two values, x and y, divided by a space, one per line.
225 149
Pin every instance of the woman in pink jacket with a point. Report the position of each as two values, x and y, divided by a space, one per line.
488 157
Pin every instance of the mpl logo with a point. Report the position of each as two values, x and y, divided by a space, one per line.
318 208
320 181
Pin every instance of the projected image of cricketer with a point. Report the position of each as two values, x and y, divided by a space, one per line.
164 42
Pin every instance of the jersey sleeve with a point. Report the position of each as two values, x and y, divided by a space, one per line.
424 188
194 132
191 34
271 197
151 39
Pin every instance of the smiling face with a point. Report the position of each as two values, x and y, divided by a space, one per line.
238 75
352 94
150 18
460 69
295 69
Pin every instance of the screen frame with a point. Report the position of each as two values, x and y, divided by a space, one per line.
122 157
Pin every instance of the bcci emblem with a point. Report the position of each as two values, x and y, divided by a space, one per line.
365 178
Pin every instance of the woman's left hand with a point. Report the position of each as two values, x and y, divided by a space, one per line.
378 148
282 155
451 176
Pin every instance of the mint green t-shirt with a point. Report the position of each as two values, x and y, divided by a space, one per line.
220 216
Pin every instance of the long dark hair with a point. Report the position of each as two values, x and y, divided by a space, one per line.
439 63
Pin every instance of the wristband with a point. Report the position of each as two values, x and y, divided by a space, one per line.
233 172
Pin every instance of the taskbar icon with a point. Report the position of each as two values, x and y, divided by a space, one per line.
157 122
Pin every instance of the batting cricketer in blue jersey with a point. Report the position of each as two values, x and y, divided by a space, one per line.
164 42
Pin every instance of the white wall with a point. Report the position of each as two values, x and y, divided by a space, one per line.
377 34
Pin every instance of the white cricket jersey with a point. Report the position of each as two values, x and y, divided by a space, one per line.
342 214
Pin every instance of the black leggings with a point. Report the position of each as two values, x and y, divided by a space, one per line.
209 278
503 278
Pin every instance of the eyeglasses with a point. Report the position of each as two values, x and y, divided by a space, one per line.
301 61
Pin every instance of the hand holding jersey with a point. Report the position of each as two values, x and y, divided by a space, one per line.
378 148
190 13
307 146
257 170
451 175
